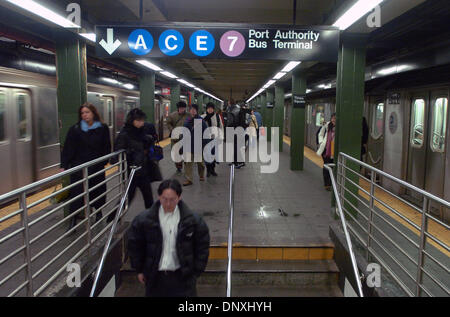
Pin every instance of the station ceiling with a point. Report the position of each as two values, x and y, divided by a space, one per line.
238 79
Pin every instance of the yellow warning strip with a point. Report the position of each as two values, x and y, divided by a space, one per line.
411 214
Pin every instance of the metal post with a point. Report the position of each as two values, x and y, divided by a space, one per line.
369 229
230 231
342 191
111 233
86 203
26 240
422 245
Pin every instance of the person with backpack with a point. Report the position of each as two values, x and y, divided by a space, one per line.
212 120
326 147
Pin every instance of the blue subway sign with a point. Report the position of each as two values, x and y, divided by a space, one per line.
225 41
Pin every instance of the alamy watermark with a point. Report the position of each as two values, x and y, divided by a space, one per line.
74 277
373 272
210 145
374 18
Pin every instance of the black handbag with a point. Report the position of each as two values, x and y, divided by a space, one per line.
156 153
155 172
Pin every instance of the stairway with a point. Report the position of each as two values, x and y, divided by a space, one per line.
256 277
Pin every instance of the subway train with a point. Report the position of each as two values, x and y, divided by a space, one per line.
409 131
29 125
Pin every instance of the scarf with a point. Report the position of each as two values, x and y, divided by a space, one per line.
85 127
208 118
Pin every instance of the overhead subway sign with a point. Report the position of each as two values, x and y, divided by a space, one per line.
316 43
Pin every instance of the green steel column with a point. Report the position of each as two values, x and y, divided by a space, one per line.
262 102
71 75
350 104
297 123
175 90
279 114
261 110
147 94
200 102
268 99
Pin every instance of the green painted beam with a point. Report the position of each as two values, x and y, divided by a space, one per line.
297 123
268 98
175 90
350 104
71 75
279 114
147 94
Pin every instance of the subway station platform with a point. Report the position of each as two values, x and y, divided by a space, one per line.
285 208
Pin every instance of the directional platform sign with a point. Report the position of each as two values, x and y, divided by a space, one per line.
189 40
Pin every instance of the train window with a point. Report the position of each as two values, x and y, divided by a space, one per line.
22 117
2 116
417 123
377 121
439 125
309 114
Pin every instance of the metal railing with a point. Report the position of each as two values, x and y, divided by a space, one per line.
39 244
113 229
230 232
344 226
410 244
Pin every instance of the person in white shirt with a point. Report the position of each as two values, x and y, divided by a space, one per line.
169 245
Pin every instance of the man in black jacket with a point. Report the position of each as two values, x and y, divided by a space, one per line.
169 245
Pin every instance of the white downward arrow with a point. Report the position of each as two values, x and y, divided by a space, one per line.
109 45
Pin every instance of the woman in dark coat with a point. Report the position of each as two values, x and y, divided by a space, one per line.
135 139
87 140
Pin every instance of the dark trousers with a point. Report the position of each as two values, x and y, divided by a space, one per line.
326 174
146 189
171 284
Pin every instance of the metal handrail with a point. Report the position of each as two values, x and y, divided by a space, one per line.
30 255
397 180
113 229
344 226
369 235
230 231
49 179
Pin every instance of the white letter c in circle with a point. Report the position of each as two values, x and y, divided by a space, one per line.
167 42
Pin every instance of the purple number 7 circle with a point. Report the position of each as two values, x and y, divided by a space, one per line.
232 43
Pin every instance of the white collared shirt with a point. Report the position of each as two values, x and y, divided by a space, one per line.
169 227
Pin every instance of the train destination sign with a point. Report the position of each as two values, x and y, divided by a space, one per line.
315 43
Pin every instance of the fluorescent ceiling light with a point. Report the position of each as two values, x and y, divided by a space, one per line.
43 12
90 36
393 70
269 83
290 66
308 91
110 80
168 74
129 86
149 65
356 12
279 75
14 85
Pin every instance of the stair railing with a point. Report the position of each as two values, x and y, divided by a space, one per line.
113 229
230 231
344 226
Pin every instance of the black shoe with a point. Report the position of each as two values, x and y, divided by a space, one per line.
213 173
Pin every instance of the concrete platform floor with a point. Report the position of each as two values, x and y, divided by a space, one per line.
284 208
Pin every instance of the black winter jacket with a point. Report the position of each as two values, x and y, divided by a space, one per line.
145 242
136 142
81 147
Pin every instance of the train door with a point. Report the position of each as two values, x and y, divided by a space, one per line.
107 113
417 141
6 152
375 143
435 157
23 136
16 152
